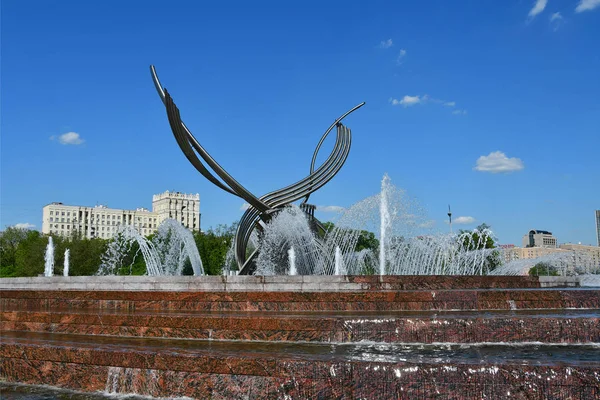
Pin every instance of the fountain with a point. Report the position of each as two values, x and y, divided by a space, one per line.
322 332
292 261
66 263
164 255
49 258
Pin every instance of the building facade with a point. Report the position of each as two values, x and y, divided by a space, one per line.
103 222
538 238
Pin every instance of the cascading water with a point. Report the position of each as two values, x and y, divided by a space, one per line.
164 255
49 258
407 244
289 228
66 263
174 245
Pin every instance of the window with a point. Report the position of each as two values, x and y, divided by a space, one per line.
51 212
50 219
68 219
62 220
62 213
103 216
68 227
68 214
62 227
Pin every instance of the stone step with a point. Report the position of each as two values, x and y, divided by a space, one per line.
209 369
548 326
368 300
295 283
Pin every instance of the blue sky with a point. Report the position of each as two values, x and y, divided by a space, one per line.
455 92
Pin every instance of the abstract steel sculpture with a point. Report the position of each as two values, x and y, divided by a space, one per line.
262 209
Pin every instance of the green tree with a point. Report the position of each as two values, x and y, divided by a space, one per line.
478 239
9 242
29 257
543 269
85 255
213 246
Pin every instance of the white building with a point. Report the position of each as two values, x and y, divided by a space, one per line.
102 222
538 238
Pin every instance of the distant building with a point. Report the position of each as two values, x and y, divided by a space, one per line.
103 222
538 238
598 226
522 253
583 255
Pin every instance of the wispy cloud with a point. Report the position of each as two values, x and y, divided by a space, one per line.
244 207
386 44
400 57
538 7
24 225
464 220
497 161
408 101
556 20
333 209
587 5
69 138
427 224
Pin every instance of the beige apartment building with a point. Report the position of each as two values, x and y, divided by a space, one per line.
103 222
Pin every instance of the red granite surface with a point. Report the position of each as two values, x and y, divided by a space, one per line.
316 326
472 299
387 310
264 377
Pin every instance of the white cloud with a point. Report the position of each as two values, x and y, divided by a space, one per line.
556 17
587 5
427 224
386 44
464 220
459 112
69 138
450 103
24 225
334 209
400 56
408 100
538 7
245 206
497 162
556 20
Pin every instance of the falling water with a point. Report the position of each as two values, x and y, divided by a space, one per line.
289 228
385 222
66 264
292 261
164 255
121 244
175 244
49 258
338 261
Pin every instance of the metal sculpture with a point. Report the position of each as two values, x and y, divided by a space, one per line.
262 209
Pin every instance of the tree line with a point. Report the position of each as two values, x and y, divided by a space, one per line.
22 252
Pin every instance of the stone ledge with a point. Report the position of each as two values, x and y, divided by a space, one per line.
283 282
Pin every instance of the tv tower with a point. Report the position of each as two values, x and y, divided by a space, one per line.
450 217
